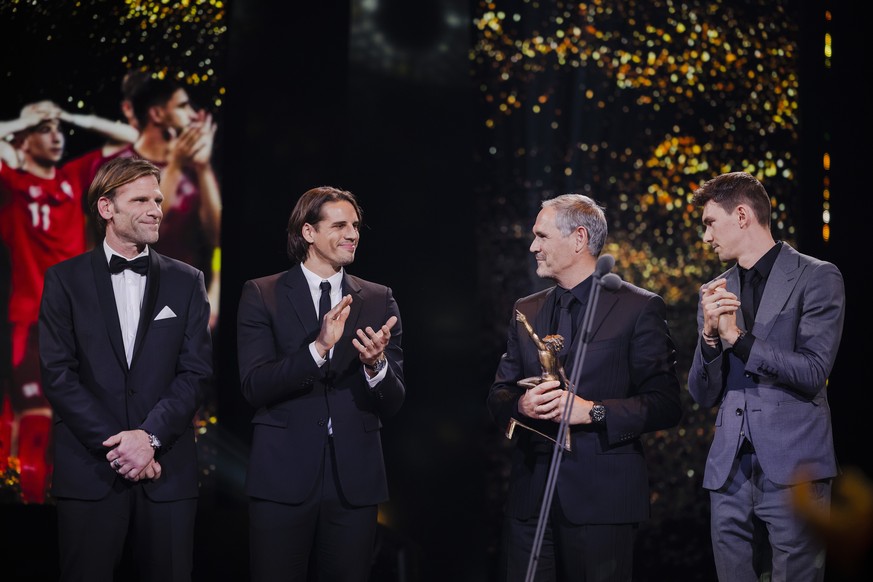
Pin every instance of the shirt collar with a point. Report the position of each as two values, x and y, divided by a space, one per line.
580 291
109 251
314 281
765 263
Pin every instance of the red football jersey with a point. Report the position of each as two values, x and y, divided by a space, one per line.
42 222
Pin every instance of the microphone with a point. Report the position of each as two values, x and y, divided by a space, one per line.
604 265
610 282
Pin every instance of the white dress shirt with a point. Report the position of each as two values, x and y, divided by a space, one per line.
129 289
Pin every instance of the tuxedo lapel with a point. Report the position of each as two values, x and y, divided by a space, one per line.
106 301
150 298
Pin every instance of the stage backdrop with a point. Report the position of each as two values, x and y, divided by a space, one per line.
451 121
77 55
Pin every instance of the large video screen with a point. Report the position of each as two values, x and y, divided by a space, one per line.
81 85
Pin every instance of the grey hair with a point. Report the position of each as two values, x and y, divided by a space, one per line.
575 210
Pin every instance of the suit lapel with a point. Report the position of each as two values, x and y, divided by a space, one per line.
542 323
106 300
784 276
605 302
150 298
296 292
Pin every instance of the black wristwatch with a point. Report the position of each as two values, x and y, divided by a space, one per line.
598 413
377 366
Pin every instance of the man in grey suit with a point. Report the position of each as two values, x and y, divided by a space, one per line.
770 329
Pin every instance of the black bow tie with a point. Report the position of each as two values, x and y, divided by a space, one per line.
139 265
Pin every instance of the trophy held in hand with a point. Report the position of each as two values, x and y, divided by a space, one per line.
548 349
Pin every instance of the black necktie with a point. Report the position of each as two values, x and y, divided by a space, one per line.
118 263
565 320
747 297
324 301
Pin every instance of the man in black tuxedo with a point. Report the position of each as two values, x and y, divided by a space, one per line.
126 356
320 360
627 386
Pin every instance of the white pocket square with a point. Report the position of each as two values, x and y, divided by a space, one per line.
166 313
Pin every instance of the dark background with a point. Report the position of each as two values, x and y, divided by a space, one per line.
303 108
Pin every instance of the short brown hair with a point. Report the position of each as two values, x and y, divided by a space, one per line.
734 188
114 174
308 210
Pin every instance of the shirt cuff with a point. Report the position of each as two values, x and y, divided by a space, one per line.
319 361
710 352
377 378
743 347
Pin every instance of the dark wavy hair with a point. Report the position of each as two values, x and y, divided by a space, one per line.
308 210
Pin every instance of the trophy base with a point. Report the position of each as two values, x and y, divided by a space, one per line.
510 431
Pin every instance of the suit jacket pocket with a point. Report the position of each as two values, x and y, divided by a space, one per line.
372 423
634 447
271 417
166 322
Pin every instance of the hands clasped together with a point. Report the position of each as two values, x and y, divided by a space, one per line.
719 313
546 401
131 455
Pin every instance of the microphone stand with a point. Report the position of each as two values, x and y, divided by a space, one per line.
604 265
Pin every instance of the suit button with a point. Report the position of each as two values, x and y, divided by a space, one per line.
131 392
322 422
739 411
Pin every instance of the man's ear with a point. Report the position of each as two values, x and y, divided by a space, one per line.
104 207
743 215
307 232
157 114
580 236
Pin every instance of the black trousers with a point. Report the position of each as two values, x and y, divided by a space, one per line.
324 538
92 536
569 552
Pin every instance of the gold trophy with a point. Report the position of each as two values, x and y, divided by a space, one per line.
547 352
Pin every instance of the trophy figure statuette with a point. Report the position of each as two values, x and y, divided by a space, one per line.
547 352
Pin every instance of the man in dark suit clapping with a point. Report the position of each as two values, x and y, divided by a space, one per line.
320 360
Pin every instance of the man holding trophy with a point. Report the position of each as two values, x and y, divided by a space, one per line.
626 385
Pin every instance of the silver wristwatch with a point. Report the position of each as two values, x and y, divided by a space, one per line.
598 413
154 441
378 365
